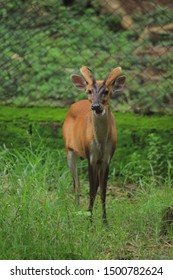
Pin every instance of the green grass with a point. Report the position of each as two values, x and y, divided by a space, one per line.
39 219
32 114
39 114
17 125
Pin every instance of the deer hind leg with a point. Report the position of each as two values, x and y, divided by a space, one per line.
72 162
94 183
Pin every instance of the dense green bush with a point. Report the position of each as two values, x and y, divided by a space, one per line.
42 43
155 160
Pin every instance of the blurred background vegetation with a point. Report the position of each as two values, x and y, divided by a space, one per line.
43 42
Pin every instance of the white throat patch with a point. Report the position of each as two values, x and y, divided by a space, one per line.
99 115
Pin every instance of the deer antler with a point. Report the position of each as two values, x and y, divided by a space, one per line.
113 74
87 73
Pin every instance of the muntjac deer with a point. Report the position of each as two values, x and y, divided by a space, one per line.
89 131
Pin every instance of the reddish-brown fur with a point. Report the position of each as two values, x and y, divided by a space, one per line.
79 132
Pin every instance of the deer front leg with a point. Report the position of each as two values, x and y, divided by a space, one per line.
94 183
72 162
103 185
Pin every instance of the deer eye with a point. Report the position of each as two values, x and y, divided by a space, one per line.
106 92
89 91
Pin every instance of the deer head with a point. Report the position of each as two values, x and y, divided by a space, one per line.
100 91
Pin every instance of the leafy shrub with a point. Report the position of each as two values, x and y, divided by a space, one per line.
155 160
159 154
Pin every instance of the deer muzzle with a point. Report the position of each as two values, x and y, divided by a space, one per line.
97 108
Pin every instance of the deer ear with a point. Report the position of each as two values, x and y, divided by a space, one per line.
118 83
78 82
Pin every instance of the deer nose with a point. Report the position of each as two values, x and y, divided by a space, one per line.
96 107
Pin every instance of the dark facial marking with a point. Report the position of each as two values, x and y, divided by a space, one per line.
98 98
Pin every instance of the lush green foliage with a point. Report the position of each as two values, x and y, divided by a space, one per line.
43 42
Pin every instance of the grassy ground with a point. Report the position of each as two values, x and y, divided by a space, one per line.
39 219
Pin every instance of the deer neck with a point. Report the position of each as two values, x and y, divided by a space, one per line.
101 127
